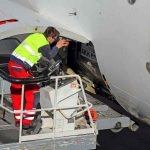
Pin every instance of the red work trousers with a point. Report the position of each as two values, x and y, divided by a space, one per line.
17 71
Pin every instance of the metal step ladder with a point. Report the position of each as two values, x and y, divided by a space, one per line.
53 135
65 108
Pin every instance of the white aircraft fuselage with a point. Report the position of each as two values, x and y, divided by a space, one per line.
119 31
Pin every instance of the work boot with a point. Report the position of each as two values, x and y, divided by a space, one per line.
27 126
17 124
34 128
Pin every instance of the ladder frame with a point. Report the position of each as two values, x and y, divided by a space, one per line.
52 135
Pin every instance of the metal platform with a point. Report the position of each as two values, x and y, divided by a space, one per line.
85 142
107 119
82 138
9 137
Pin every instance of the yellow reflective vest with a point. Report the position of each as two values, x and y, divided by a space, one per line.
27 51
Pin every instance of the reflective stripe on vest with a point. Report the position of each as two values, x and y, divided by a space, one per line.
30 50
22 58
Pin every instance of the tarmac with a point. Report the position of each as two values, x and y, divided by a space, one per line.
125 139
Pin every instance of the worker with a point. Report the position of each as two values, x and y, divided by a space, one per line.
24 57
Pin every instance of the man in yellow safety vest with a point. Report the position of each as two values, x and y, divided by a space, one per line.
24 57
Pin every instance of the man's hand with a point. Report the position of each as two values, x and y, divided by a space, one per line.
62 43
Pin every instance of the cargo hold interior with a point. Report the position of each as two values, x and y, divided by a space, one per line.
79 58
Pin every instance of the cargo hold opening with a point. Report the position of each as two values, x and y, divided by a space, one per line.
79 58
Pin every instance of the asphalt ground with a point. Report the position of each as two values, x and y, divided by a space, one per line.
125 139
